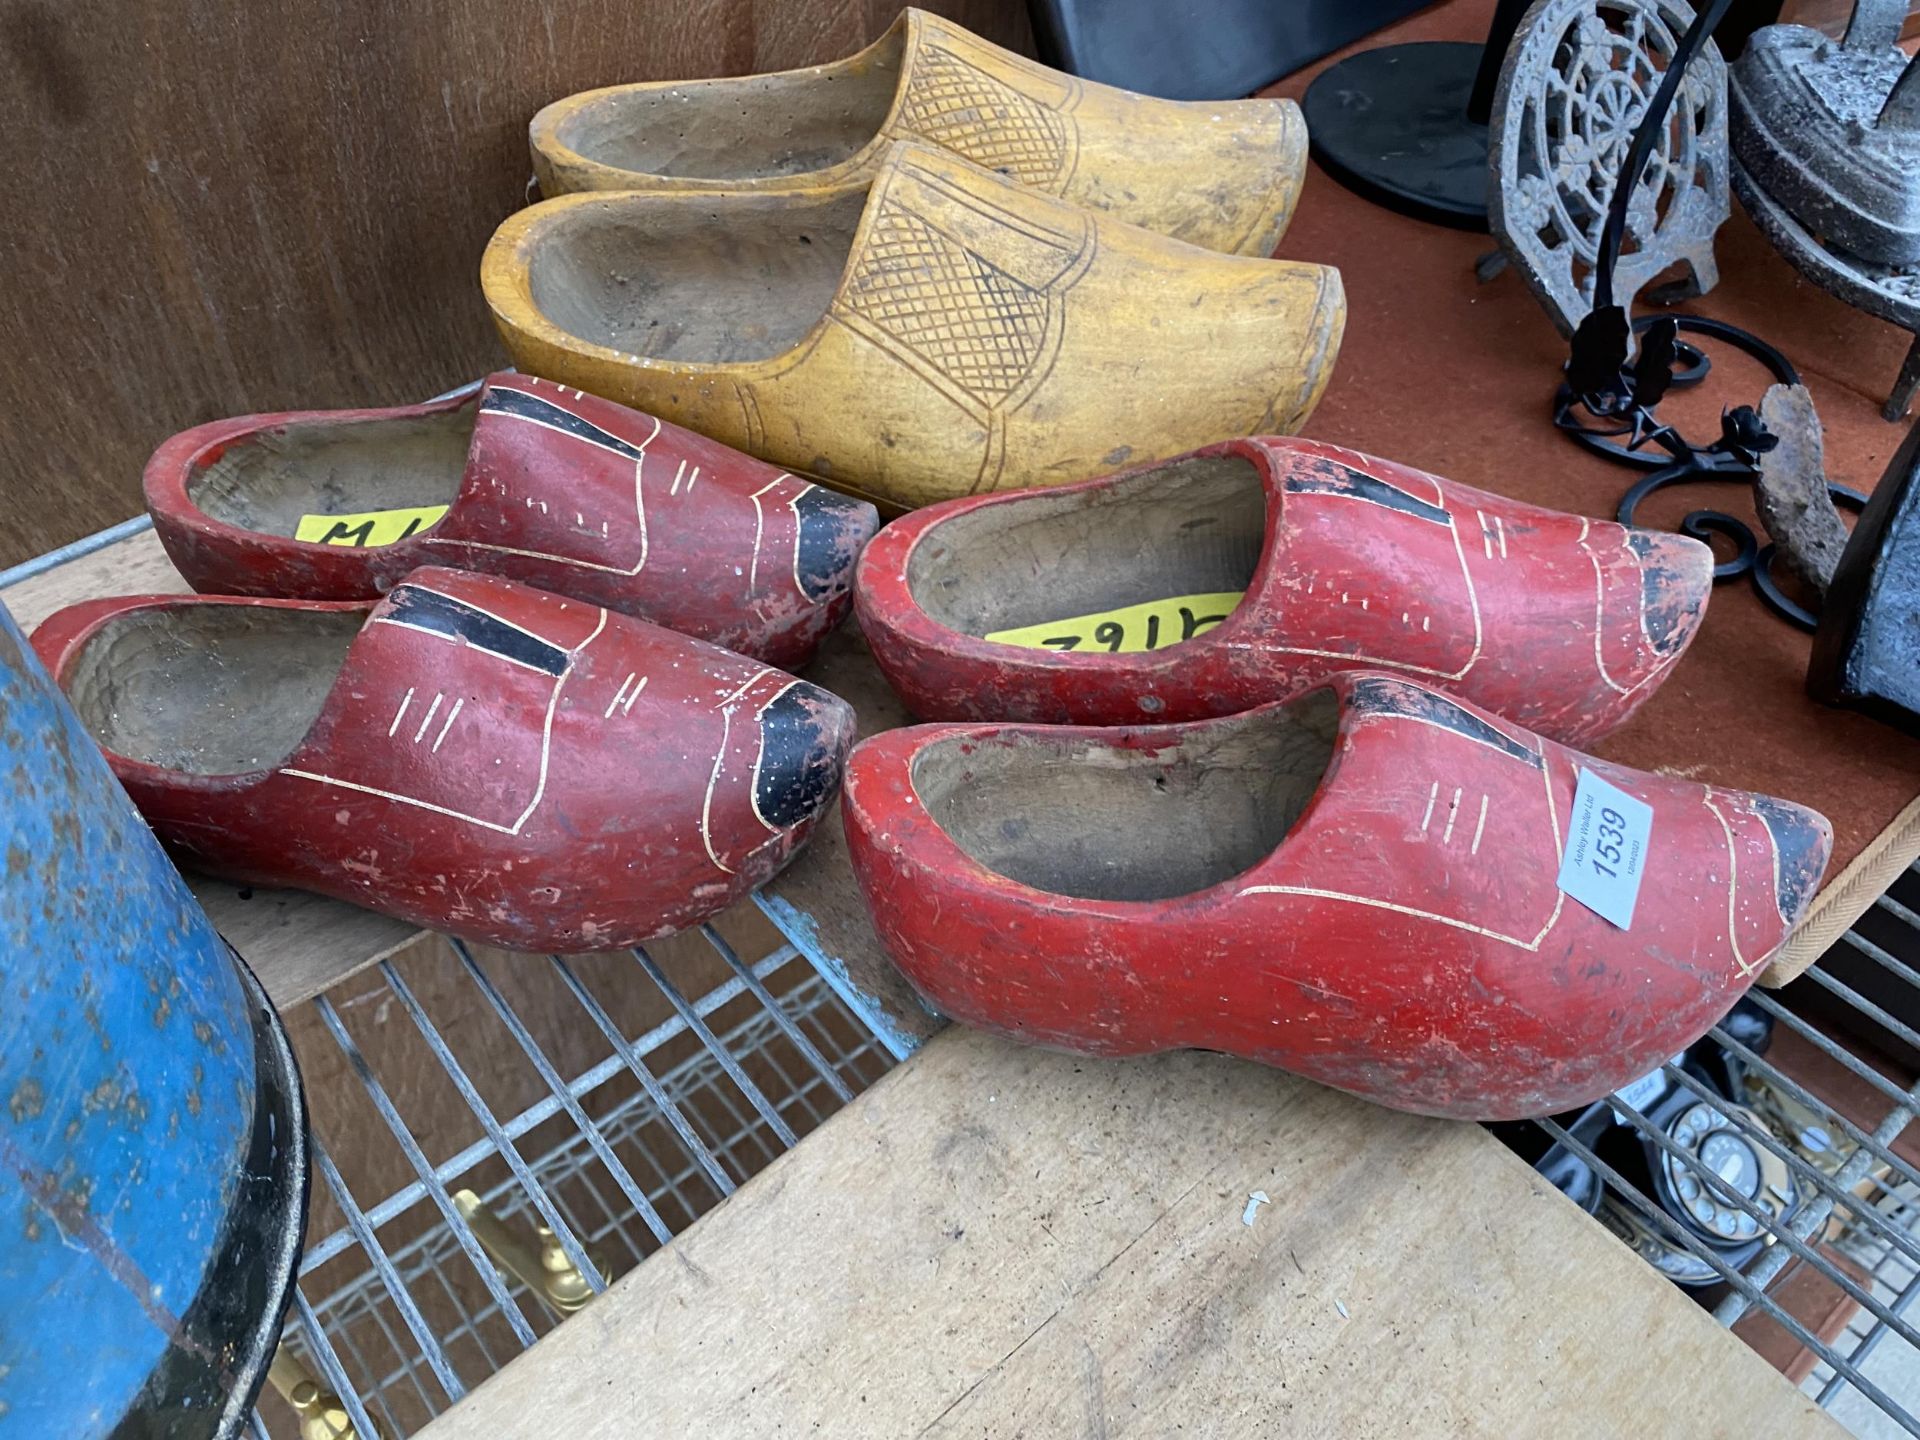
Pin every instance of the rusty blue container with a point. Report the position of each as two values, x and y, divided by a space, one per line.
153 1177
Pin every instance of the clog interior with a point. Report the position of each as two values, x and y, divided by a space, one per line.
1069 814
268 481
209 689
667 278
1188 527
749 128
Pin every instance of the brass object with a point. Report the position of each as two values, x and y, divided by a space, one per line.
322 1416
531 1254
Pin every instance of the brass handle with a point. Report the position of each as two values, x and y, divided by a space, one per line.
531 1254
322 1416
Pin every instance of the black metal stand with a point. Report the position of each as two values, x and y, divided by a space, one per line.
1406 125
1608 400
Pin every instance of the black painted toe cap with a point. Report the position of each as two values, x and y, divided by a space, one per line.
833 531
1676 579
805 735
1802 841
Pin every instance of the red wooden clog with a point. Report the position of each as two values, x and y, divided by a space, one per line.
1562 623
467 754
1359 885
544 485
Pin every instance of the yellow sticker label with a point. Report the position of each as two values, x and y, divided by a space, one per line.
373 528
1131 629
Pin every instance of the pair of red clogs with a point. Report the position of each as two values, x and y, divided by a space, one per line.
527 756
1378 865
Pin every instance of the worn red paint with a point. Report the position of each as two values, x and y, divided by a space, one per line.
505 765
1406 940
1559 622
563 491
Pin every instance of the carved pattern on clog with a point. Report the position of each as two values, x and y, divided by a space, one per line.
956 104
969 319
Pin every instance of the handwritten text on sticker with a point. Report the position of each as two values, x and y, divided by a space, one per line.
1131 629
369 529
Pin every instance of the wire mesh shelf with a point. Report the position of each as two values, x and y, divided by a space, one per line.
1770 1172
647 1088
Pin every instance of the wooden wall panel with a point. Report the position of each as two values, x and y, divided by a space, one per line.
213 207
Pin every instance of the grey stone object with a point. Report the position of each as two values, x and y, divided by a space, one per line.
1831 131
1866 652
1577 79
1790 488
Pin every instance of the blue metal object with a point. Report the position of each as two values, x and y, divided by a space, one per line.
152 1150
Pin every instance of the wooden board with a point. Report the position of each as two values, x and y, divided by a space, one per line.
997 1241
216 209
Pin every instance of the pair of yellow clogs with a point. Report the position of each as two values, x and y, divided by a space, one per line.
933 269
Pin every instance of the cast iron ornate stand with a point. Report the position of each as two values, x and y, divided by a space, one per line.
1607 402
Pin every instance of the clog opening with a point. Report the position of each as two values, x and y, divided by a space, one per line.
271 481
679 279
209 689
1070 816
1190 527
752 128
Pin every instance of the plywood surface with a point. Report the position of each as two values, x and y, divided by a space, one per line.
220 208
1008 1242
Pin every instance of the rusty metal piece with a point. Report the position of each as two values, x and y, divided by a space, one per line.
1574 88
1832 131
1790 488
531 1254
321 1414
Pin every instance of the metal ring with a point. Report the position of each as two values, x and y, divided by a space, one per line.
1777 599
1702 525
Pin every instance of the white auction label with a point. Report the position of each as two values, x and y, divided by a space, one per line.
1641 1093
1606 850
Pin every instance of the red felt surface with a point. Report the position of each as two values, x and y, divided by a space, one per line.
1456 377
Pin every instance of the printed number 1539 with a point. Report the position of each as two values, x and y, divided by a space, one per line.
1613 835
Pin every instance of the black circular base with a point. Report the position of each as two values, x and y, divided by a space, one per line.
1391 124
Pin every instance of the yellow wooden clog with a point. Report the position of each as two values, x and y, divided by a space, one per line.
933 331
1220 174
